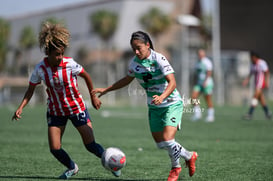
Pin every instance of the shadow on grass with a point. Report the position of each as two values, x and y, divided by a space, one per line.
55 178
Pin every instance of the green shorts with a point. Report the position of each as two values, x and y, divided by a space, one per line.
165 116
208 90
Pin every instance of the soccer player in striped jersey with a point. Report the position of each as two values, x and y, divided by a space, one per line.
59 74
154 73
204 85
259 69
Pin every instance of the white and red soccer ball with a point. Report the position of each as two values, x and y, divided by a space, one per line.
113 159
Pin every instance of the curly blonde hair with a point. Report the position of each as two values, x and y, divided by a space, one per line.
53 36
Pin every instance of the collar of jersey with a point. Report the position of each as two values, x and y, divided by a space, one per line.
145 62
47 64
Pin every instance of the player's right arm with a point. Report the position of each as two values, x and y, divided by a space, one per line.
246 80
27 97
117 85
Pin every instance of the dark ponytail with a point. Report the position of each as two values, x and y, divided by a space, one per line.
140 35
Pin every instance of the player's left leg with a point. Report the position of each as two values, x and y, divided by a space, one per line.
267 112
164 135
166 140
87 135
208 90
210 113
83 124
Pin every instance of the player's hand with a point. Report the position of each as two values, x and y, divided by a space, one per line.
101 91
157 100
96 102
17 115
245 82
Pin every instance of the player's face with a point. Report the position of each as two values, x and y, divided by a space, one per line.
201 54
254 59
141 49
55 57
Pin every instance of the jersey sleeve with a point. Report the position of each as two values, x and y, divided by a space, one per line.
35 77
130 71
76 68
208 64
164 65
264 66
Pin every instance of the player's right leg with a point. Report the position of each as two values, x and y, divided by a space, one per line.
56 128
54 135
253 104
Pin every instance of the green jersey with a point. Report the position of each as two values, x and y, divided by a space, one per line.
202 67
150 73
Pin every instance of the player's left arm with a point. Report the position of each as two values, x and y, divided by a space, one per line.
170 88
95 100
209 74
209 68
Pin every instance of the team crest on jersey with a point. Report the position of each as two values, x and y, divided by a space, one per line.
57 84
152 67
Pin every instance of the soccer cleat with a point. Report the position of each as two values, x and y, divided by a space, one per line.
191 163
210 119
196 117
174 174
269 115
116 173
70 172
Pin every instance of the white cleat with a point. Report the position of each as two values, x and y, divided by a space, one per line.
196 118
70 172
210 119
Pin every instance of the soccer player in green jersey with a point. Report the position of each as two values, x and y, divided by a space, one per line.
154 73
203 85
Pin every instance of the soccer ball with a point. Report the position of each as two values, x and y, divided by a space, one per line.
113 159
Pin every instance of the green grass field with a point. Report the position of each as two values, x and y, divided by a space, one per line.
229 149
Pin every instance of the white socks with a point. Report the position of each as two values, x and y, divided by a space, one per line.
175 151
197 112
210 112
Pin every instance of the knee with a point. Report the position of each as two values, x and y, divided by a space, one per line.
164 144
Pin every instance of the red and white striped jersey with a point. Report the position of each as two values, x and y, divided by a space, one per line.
64 97
258 70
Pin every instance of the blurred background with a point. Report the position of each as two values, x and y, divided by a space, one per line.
100 34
